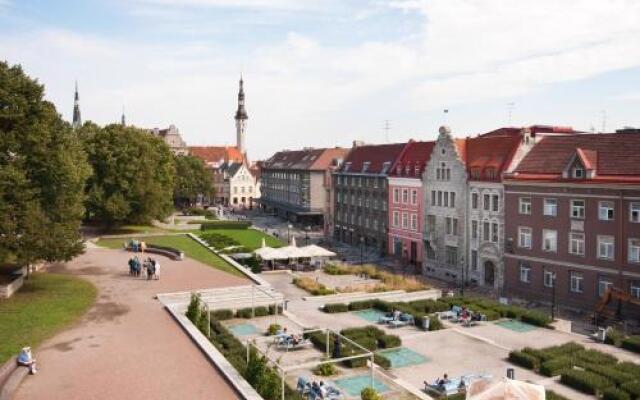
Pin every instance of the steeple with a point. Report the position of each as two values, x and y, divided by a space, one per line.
122 119
241 120
77 120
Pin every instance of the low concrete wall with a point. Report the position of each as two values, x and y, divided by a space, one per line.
8 290
396 295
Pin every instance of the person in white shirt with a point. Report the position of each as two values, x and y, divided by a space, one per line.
157 274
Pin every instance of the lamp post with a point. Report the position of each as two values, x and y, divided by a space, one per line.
289 226
462 276
361 250
553 297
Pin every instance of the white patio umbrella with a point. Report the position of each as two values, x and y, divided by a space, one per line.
504 389
264 243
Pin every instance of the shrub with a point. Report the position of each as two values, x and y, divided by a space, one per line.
551 395
633 388
325 370
369 330
630 368
360 305
614 337
225 225
632 343
536 318
382 361
556 366
585 381
335 308
434 323
615 394
333 269
595 357
370 394
221 315
273 329
389 341
610 372
523 359
272 309
261 311
312 286
244 313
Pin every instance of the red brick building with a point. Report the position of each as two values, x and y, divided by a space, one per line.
572 210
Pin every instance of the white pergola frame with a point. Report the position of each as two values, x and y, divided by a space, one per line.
285 369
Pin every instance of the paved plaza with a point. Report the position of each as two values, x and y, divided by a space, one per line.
127 346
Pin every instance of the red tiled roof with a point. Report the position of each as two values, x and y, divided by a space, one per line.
614 156
535 129
214 154
413 160
375 155
306 159
490 152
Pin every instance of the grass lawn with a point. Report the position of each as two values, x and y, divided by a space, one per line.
190 247
249 238
46 304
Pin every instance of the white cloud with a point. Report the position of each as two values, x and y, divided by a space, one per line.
249 4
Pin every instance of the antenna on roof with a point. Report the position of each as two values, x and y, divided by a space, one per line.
510 107
604 121
386 128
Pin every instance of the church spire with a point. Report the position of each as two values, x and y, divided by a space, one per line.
123 121
241 120
77 120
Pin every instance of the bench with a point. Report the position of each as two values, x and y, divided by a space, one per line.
168 252
11 376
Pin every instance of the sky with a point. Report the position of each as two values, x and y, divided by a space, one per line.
323 73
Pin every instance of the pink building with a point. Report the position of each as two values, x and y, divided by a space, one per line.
406 209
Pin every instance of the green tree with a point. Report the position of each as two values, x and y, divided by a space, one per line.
193 178
43 170
133 174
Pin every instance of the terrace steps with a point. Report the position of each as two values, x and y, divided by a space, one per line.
230 297
396 295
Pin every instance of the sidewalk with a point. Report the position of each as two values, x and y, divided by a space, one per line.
127 346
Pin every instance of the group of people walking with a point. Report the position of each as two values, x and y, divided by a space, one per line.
149 266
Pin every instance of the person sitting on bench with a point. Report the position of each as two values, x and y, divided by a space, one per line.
26 360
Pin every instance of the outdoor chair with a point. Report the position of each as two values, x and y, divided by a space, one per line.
405 319
288 344
385 319
303 386
280 336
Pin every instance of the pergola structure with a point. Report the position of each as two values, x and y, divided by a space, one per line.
284 369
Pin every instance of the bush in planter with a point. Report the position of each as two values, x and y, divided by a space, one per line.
632 343
555 366
369 394
382 361
244 313
325 370
536 318
615 394
633 388
221 315
585 381
261 311
335 308
614 337
360 305
596 357
523 359
610 372
273 329
389 341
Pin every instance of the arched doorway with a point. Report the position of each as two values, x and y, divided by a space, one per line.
489 273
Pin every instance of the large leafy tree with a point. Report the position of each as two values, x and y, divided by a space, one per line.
133 174
43 170
193 178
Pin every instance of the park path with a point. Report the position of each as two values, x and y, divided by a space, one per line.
127 346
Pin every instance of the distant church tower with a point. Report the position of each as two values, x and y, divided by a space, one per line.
123 120
241 121
77 120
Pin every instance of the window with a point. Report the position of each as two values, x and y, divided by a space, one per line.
486 202
474 260
445 196
439 198
634 250
453 199
605 210
396 219
524 237
405 220
549 240
494 232
486 228
451 225
576 243
396 195
577 209
525 273
433 197
603 284
455 226
474 201
451 255
634 212
605 247
474 229
635 289
576 282
550 207
405 196
495 203
577 172
549 278
414 222
414 197
525 205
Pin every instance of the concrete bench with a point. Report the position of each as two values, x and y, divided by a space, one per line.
11 376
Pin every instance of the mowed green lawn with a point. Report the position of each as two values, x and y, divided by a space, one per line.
190 247
46 304
249 238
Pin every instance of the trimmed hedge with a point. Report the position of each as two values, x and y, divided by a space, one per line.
633 388
221 315
615 394
632 343
595 357
551 395
209 225
610 372
523 359
536 318
335 308
630 368
585 381
556 366
360 305
389 341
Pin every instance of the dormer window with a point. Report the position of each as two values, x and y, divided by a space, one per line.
385 167
347 165
365 166
407 169
399 169
577 172
475 173
491 173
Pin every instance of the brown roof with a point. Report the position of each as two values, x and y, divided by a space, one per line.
306 159
214 154
374 157
613 157
486 153
413 160
535 129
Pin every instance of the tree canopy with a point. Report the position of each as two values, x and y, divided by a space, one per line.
42 175
193 178
133 175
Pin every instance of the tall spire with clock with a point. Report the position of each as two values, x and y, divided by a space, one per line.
241 121
77 120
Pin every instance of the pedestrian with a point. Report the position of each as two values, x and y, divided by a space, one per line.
25 359
132 267
138 265
143 247
157 270
151 269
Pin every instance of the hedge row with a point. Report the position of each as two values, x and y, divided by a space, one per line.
225 225
260 311
615 394
613 374
556 366
632 343
523 359
551 395
585 381
633 388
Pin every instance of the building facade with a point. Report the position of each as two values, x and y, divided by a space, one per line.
406 206
573 220
239 187
361 195
173 139
296 184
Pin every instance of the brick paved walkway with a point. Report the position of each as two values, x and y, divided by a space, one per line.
127 346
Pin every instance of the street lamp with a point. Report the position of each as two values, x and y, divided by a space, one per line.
289 226
462 276
553 297
361 250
